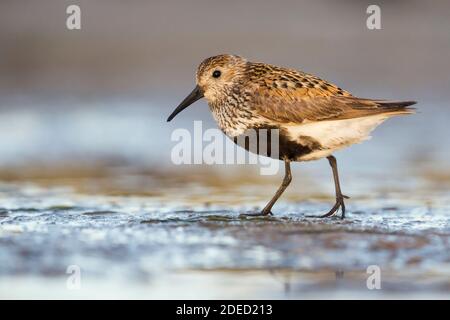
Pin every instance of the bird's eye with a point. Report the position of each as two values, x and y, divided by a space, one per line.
216 73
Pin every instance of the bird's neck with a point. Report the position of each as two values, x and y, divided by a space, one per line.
232 114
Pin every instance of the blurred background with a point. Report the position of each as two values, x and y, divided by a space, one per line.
103 92
85 111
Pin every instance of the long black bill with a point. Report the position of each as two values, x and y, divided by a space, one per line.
196 94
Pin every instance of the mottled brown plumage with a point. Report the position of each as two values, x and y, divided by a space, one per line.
264 93
314 117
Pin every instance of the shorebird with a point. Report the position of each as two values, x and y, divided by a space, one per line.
314 117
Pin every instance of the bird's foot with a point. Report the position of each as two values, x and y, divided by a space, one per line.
263 213
339 204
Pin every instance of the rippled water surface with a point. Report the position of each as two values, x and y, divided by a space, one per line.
189 239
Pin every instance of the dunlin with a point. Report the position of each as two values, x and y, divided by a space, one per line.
314 117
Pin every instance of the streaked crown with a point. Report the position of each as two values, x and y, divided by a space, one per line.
217 75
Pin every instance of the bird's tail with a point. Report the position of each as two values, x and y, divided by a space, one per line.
396 107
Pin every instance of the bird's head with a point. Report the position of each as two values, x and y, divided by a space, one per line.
215 76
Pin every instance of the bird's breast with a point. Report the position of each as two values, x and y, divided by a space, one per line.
234 119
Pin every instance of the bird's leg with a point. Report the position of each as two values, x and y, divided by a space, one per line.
286 181
339 196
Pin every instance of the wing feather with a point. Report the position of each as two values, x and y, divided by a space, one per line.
298 109
287 95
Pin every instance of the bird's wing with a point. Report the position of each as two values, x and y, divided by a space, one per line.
299 110
270 79
286 95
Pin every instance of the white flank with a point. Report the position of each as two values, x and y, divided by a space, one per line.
336 134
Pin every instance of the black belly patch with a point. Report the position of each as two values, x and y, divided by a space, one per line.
288 149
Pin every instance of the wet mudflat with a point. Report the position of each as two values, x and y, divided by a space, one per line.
189 240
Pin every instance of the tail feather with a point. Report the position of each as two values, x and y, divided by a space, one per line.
396 107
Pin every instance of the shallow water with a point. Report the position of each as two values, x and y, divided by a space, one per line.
173 244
